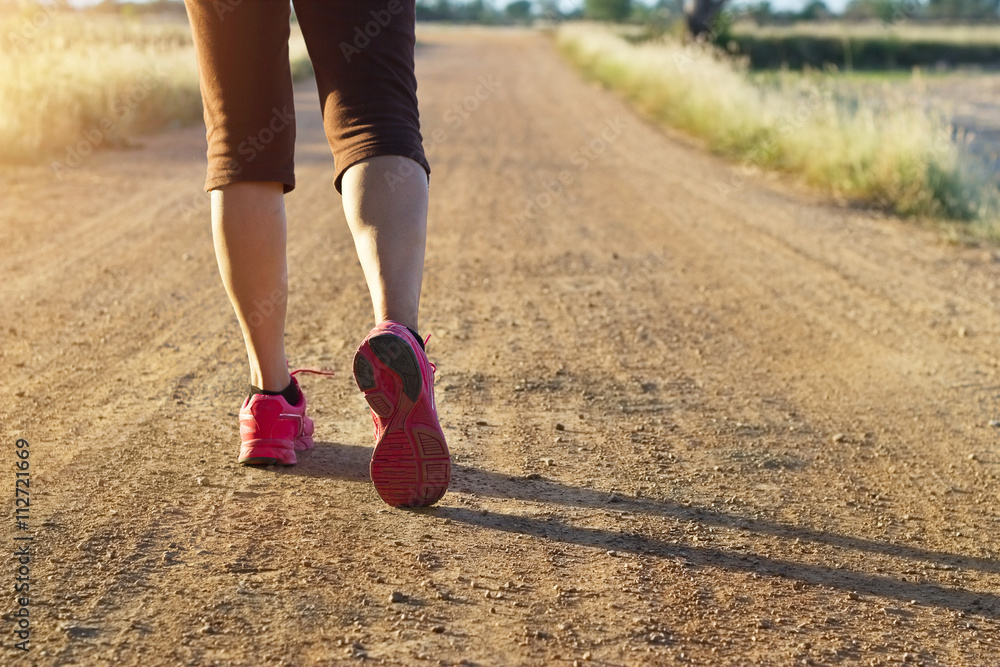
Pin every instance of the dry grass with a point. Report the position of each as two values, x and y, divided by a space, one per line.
887 153
81 81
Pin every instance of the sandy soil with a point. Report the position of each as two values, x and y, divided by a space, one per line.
697 417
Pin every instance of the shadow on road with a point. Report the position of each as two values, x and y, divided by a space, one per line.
349 462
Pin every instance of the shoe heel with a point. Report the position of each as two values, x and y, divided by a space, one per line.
266 454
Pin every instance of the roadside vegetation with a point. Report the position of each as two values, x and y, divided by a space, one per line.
95 79
884 152
873 46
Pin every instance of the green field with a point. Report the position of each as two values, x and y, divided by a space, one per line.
864 46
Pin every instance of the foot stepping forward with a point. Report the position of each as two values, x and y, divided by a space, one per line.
410 466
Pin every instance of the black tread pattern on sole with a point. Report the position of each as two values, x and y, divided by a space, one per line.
396 354
364 374
260 461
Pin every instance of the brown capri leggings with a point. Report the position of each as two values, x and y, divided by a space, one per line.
362 53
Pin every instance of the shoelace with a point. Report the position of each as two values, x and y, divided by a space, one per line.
314 371
434 368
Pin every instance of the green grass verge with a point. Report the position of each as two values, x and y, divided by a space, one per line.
886 154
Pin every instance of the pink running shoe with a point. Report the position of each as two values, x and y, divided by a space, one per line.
410 466
272 430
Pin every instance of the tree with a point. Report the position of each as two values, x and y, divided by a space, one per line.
441 10
864 10
703 17
519 10
761 12
816 10
607 10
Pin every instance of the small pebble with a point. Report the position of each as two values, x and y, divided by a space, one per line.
839 437
396 596
560 427
482 422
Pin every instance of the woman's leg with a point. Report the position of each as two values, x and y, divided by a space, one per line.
248 225
246 88
388 218
368 93
367 90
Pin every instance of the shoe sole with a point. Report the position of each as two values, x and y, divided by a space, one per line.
410 466
267 453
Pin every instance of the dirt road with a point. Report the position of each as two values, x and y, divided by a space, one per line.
696 417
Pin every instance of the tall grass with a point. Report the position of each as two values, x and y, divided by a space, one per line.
887 152
95 79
